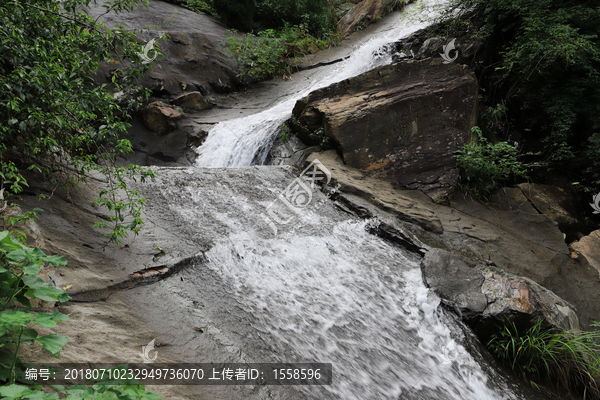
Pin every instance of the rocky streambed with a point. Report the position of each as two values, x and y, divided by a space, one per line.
371 275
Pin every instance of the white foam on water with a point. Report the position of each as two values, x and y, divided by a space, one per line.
246 141
349 298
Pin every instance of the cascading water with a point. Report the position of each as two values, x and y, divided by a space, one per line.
341 295
322 289
246 141
326 290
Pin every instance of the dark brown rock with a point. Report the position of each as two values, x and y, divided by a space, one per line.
192 101
406 205
401 122
160 118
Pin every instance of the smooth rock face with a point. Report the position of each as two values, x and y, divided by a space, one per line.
192 101
193 59
361 15
485 295
160 118
406 205
557 204
402 123
511 199
589 247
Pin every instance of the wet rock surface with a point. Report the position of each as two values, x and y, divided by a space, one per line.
362 14
402 122
486 296
521 244
421 45
292 152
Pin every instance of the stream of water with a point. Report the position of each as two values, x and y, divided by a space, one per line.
329 291
246 141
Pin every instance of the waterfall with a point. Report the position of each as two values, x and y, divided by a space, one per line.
324 290
245 141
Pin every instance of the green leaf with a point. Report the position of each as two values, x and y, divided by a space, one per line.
54 343
15 318
60 388
35 282
39 395
55 260
49 294
28 335
49 320
14 391
32 269
17 255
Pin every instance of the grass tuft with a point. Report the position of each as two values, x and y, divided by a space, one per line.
571 359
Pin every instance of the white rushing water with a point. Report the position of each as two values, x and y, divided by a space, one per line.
323 289
246 141
328 291
343 296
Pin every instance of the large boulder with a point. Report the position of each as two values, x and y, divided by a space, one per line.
192 101
193 57
485 295
401 122
173 149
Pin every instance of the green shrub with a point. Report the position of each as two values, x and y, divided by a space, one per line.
19 265
571 359
258 57
19 285
53 120
542 60
266 55
485 165
316 15
198 6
